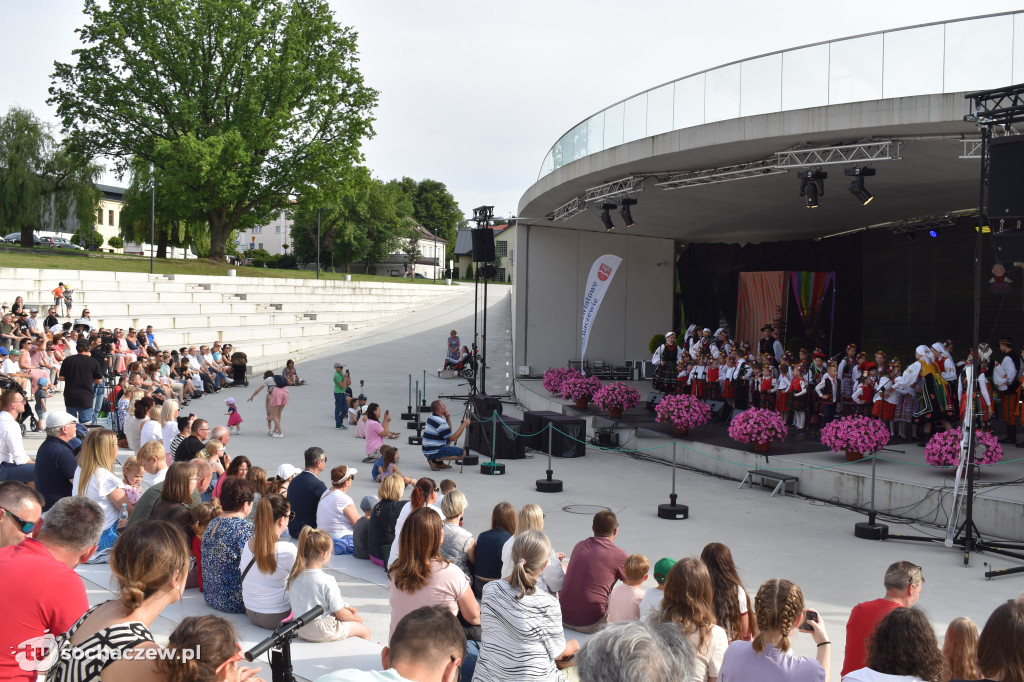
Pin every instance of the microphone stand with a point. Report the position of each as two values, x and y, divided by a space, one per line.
280 645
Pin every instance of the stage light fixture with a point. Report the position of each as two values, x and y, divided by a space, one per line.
624 212
606 217
857 188
812 186
933 233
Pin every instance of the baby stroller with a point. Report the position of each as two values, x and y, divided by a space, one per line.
239 365
28 416
466 368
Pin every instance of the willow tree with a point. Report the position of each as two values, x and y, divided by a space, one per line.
238 104
42 180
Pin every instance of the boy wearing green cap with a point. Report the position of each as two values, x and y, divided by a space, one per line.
652 599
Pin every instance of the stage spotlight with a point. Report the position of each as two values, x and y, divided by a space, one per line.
812 186
933 233
624 212
606 217
857 188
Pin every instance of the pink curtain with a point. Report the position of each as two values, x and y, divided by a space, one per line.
760 296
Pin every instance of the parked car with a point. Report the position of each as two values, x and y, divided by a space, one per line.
62 243
15 238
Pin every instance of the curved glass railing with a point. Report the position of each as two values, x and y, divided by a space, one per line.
956 56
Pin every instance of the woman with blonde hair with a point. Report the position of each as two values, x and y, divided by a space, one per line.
258 477
266 562
150 563
688 603
521 622
384 517
960 649
152 431
531 517
94 478
779 611
458 546
169 424
132 422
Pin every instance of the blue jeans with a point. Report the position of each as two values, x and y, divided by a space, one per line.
82 414
97 401
828 413
340 410
446 451
17 472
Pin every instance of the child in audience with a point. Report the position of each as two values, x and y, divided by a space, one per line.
652 599
624 601
234 419
960 649
212 650
361 529
40 396
202 515
387 464
131 472
446 486
309 586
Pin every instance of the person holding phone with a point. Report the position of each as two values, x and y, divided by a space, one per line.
376 431
439 440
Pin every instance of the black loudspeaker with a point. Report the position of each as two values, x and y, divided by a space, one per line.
485 406
1005 178
1009 245
483 245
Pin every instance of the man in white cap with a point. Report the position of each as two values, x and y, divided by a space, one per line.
55 460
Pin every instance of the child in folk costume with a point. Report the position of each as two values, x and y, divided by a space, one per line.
699 378
664 360
727 376
1004 376
982 401
741 380
715 371
862 395
847 381
782 391
766 388
815 373
798 396
906 403
704 346
946 366
886 398
754 394
683 376
828 391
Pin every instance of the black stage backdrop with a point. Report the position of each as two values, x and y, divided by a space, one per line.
892 293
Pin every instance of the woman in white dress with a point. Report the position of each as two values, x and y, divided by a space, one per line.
337 513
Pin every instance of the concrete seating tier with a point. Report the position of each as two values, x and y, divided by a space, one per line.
269 319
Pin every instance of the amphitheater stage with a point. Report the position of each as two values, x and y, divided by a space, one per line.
908 490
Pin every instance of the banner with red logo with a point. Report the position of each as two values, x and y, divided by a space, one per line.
601 274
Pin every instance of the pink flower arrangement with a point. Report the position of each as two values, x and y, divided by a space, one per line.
943 449
683 411
554 377
855 434
617 395
757 425
576 386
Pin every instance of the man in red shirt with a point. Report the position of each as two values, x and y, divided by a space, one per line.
903 583
594 566
41 593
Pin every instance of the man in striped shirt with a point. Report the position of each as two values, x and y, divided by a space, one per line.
438 439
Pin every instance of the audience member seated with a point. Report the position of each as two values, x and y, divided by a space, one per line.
15 464
688 604
144 508
960 649
779 609
176 497
310 586
387 464
94 478
191 446
903 584
203 514
361 531
626 597
150 563
521 622
222 547
55 460
458 546
237 468
902 647
22 510
731 601
489 545
647 650
153 458
552 578
1001 643
596 563
305 491
219 653
258 477
336 513
428 645
424 494
651 602
420 577
41 592
266 562
383 518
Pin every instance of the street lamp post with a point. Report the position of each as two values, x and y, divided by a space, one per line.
318 243
436 261
152 219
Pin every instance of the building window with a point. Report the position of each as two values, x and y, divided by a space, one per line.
99 216
501 249
261 245
110 217
277 228
501 275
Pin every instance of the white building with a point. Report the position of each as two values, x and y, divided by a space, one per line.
271 237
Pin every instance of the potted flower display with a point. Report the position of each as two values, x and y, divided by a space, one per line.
683 411
857 436
943 449
554 377
580 388
616 397
757 426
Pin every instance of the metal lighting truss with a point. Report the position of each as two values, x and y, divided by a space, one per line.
626 186
972 145
862 152
710 176
571 208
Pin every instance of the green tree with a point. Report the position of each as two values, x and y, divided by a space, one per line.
433 207
173 227
239 105
43 180
88 237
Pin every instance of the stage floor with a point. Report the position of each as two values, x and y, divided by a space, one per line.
906 486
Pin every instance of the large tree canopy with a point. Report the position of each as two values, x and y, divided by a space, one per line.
173 226
433 207
41 179
237 104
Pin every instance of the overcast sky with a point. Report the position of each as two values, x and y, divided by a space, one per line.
475 93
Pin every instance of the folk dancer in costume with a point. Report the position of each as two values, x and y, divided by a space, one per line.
798 396
906 403
815 373
741 381
715 370
847 382
828 392
691 335
863 395
946 365
885 398
727 376
665 358
782 384
766 389
933 408
699 378
766 344
1004 376
683 376
722 341
982 402
777 348
704 346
